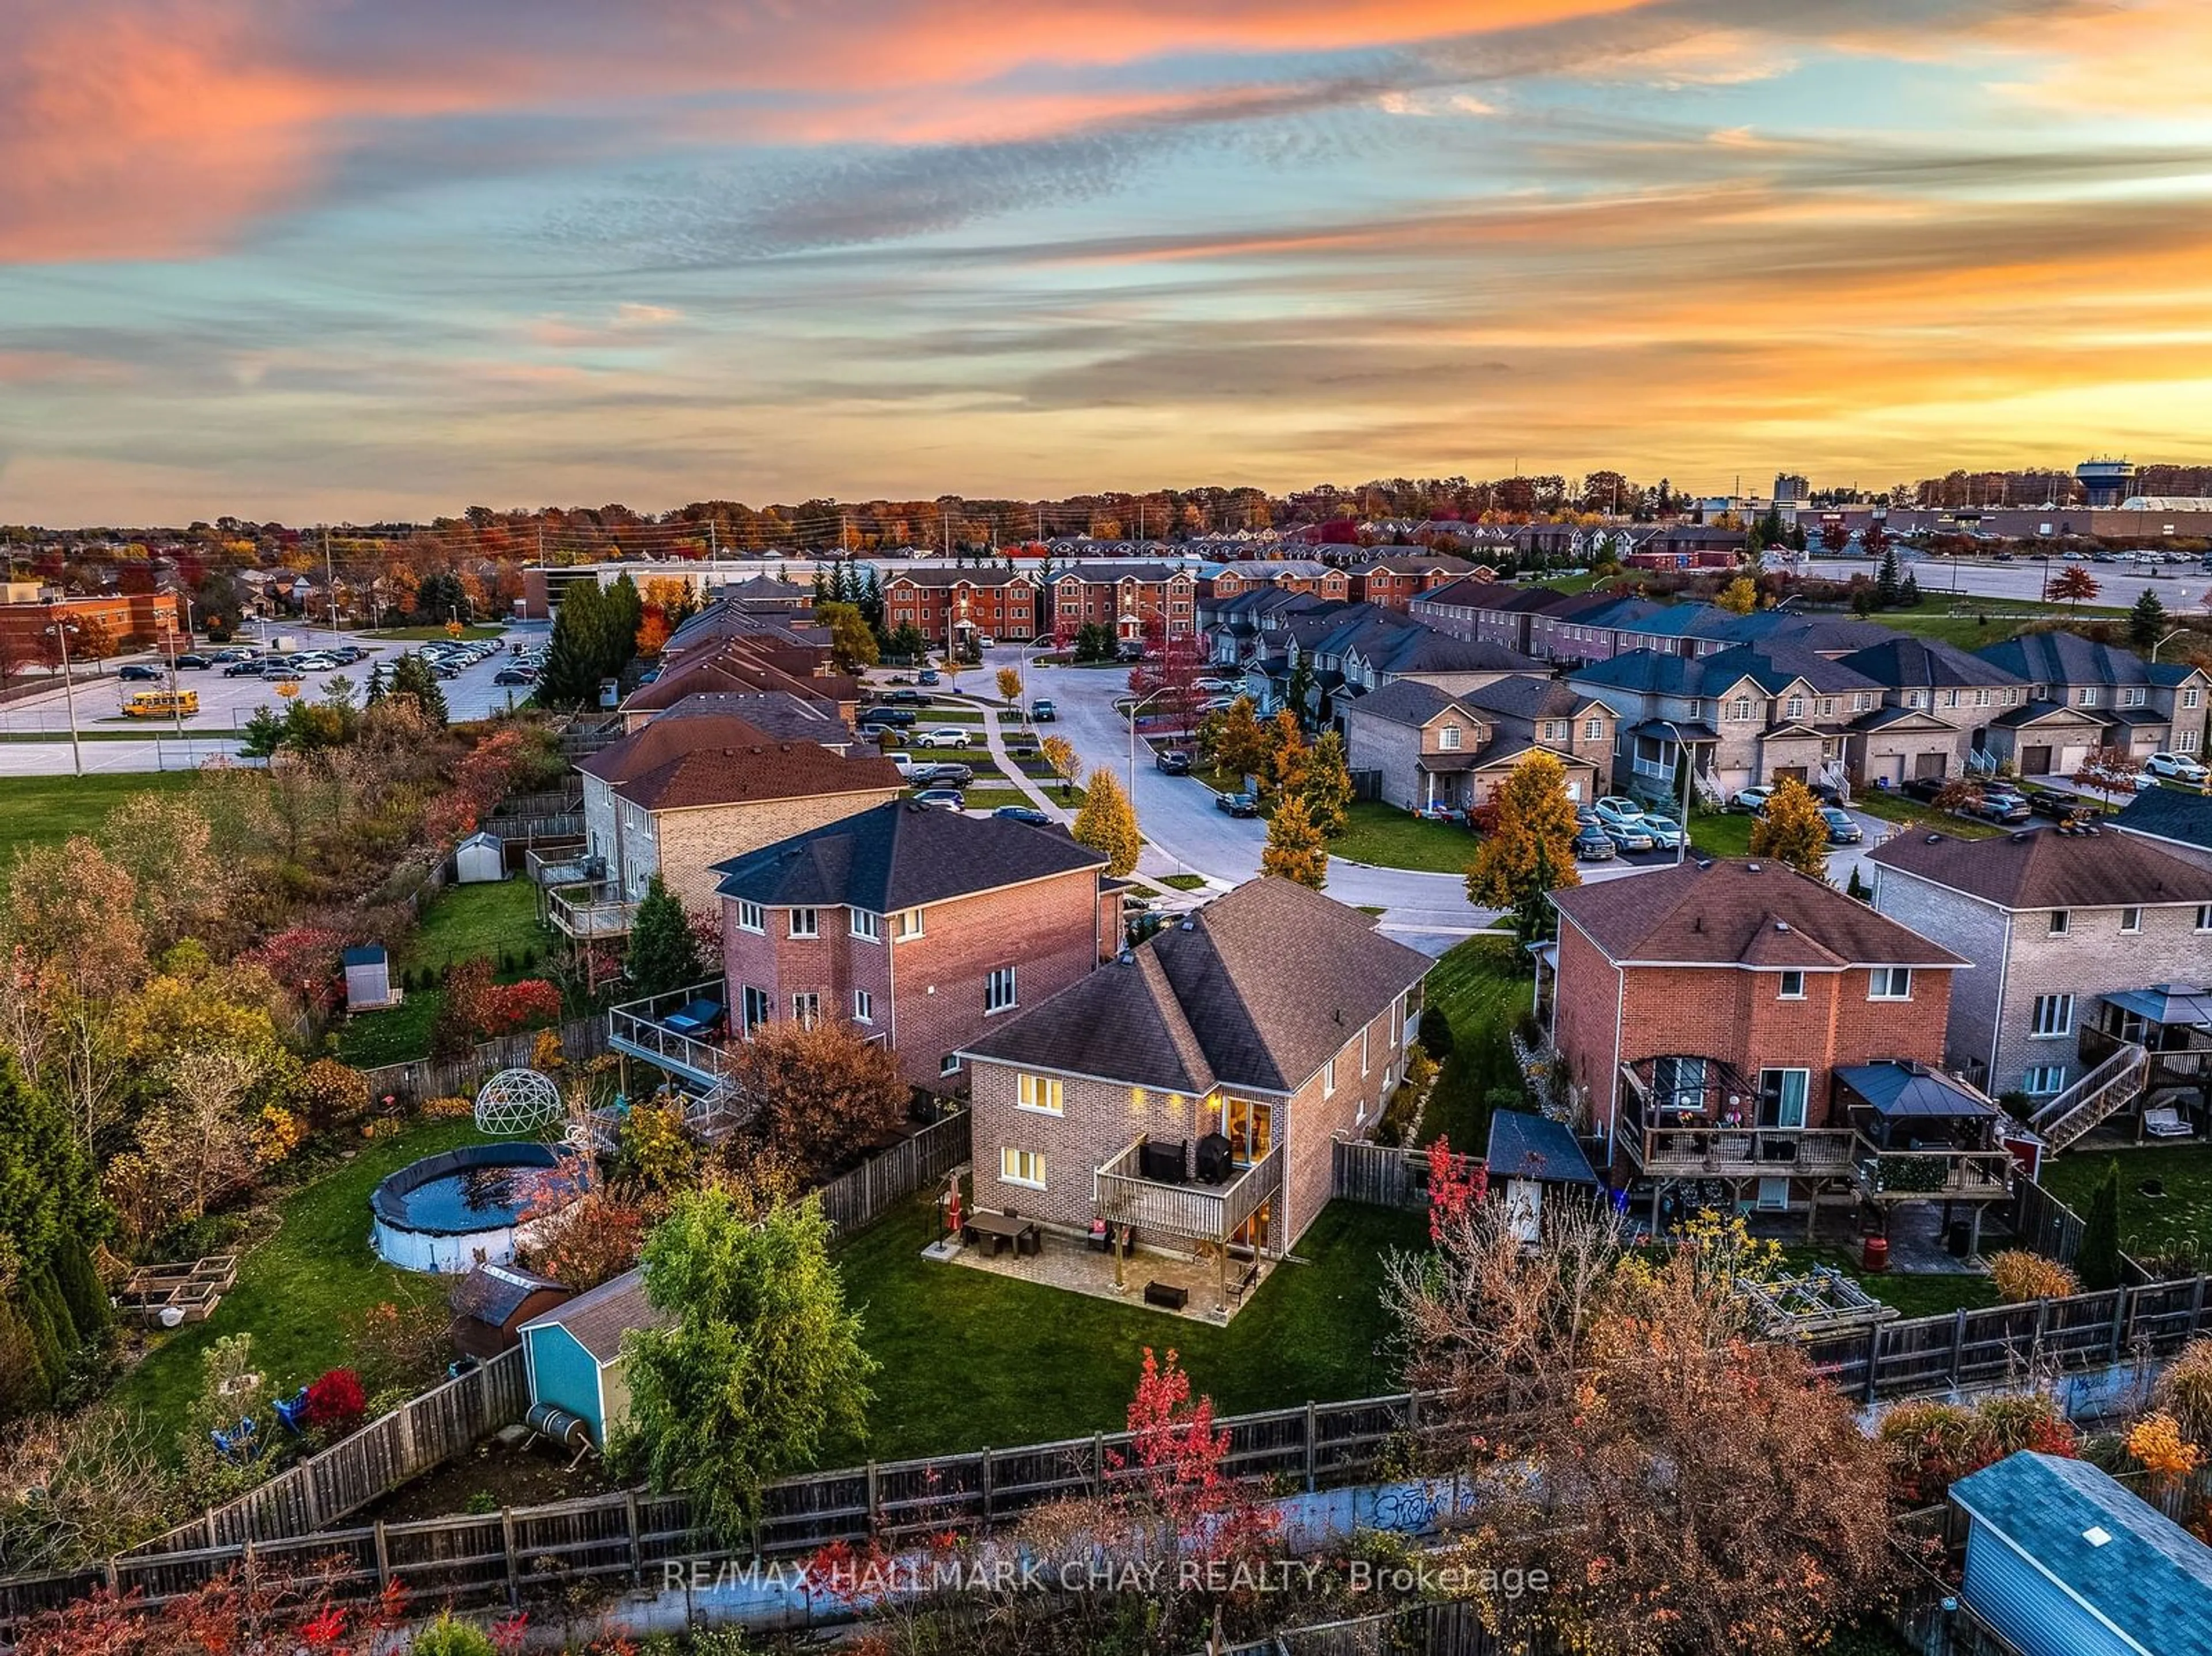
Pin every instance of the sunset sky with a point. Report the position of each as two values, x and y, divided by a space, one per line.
357 258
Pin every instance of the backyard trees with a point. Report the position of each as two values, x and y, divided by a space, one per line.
664 952
2098 1259
1286 760
1685 1486
818 1090
576 655
2146 620
1531 848
758 1362
1296 849
1792 831
1108 822
1740 596
1327 790
1059 753
49 1212
2073 586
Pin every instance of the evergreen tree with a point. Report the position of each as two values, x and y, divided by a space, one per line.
625 612
48 1205
1294 848
2146 621
871 600
1888 588
664 955
822 592
2098 1263
411 676
1908 595
377 684
572 659
262 735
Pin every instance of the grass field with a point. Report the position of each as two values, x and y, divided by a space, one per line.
1979 622
1390 838
1184 882
1892 808
42 810
301 1292
2149 1225
1722 834
971 1359
465 920
424 635
1480 988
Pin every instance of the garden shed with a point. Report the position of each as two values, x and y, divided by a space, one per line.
1528 1154
479 860
491 1304
2062 1561
575 1357
368 978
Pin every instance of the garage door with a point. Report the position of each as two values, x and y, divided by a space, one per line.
1888 770
2035 761
1931 764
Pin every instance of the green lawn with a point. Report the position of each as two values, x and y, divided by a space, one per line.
1390 838
1184 882
1893 808
992 799
463 921
2148 1225
1979 622
301 1292
971 1360
1722 834
1911 1294
44 810
1481 989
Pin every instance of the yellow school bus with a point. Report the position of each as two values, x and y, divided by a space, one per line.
161 704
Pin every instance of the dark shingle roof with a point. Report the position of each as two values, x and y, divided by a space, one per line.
1903 663
2148 1580
1524 1146
1743 911
2170 814
1256 989
2066 658
718 759
492 1294
901 855
2049 871
1775 664
1403 701
598 1318
1524 695
777 713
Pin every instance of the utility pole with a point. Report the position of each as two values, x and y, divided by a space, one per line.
328 582
60 630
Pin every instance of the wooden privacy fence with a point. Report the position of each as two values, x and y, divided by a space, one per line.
1381 1175
422 1078
862 1196
2043 1224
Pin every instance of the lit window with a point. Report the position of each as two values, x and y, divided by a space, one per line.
805 923
999 990
2053 1016
906 923
806 1009
1890 983
1793 986
2131 920
1022 1167
864 1007
867 924
1038 1093
751 917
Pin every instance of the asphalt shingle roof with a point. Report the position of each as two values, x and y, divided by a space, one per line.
901 855
718 759
2066 658
598 1318
2049 871
1903 663
2169 814
1256 989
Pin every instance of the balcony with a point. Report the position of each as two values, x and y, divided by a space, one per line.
636 1029
562 865
1945 1174
1200 1213
589 912
1700 1152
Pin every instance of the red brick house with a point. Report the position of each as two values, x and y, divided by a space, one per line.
1133 599
1394 582
953 603
1194 1088
1226 580
921 927
1736 1021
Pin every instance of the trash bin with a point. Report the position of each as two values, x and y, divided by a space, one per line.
1956 1239
1873 1253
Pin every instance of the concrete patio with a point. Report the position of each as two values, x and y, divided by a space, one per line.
1065 1263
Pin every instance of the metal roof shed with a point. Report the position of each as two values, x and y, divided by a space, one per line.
2063 1561
368 978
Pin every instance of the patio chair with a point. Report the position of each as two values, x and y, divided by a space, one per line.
292 1411
2166 1122
238 1445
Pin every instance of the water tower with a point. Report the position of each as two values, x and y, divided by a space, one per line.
2105 483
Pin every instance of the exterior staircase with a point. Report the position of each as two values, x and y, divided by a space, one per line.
1837 778
2113 1085
1707 783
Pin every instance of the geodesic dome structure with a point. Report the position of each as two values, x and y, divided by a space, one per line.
516 1101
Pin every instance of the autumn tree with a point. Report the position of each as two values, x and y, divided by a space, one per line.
1009 686
199 1134
852 641
1107 822
1328 789
1740 596
1296 848
755 1365
652 633
1059 755
1288 759
1792 831
818 1091
1531 849
1241 748
2073 586
2111 771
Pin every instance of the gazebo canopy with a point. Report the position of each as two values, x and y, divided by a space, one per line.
2166 1003
1896 1089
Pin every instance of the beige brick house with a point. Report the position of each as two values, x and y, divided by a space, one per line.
1424 747
1192 1090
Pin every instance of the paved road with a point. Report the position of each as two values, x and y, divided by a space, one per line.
2181 587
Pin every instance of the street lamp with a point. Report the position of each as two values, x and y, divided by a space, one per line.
1689 770
2163 642
1135 708
60 630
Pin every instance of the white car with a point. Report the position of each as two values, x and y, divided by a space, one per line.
1215 686
2178 765
1752 799
943 736
1615 808
1666 833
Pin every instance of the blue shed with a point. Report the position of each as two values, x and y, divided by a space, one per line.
2063 1562
574 1352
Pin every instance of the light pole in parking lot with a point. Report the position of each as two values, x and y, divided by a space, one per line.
60 630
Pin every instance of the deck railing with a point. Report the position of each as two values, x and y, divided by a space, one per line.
590 910
1745 1152
1209 1213
635 1028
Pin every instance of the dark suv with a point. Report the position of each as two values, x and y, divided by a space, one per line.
1173 761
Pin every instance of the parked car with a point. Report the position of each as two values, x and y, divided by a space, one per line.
1615 808
191 659
906 699
1237 804
1594 845
1029 814
1627 835
1752 799
2058 806
927 676
1217 704
944 736
514 676
1215 686
896 718
1172 761
137 672
942 775
224 657
2178 765
2003 805
942 798
1842 830
242 669
1925 788
1440 813
903 764
1042 712
1666 833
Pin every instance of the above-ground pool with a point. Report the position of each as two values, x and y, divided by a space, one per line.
460 1208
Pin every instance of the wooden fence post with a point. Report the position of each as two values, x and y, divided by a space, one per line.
383 1559
507 1542
1873 1362
2196 1308
1311 1433
1958 1342
636 1542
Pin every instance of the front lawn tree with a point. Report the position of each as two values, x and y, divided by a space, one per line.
1326 792
2110 771
1108 822
758 1366
411 677
1296 848
1241 748
1531 850
1009 686
1793 832
1059 753
663 950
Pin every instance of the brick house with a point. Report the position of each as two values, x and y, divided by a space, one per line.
1285 574
952 605
2068 930
1938 705
1193 1088
1396 580
682 793
1129 597
922 927
130 620
1426 747
1735 1020
2083 695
